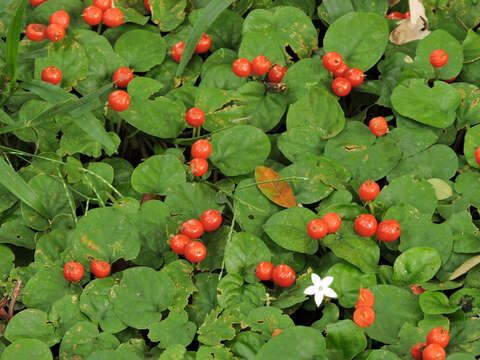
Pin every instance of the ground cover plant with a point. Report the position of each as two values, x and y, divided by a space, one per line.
250 179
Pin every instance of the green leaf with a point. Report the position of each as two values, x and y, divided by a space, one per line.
239 150
243 253
416 265
65 313
217 327
266 319
6 261
288 228
431 106
382 355
113 355
182 272
466 236
472 142
234 295
344 340
360 46
13 39
435 303
304 76
299 142
469 110
27 349
175 329
205 299
168 14
31 324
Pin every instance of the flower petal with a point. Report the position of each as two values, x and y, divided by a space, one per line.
318 298
316 280
327 281
330 293
312 289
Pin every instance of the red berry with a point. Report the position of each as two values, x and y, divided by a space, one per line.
146 3
438 58
395 15
92 15
416 350
378 126
73 271
52 75
406 14
37 2
60 17
198 166
355 76
242 67
283 275
122 76
365 298
276 74
264 271
340 71
119 100
368 190
178 243
388 230
193 228
55 32
260 65
100 269
332 60
201 149
195 251
195 117
113 17
203 44
276 332
438 336
103 4
317 228
365 225
36 32
341 86
417 290
433 352
477 155
177 51
364 316
211 220
333 221
450 80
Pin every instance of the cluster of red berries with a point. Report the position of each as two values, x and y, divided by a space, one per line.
102 11
366 224
195 251
434 348
345 78
203 46
438 58
73 270
259 66
328 224
378 126
55 31
201 150
119 100
477 155
282 275
364 316
399 15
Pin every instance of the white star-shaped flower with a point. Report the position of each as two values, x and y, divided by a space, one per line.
320 288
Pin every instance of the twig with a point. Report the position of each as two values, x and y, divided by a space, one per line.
16 291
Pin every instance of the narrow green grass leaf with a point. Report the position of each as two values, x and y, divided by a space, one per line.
18 187
13 39
209 15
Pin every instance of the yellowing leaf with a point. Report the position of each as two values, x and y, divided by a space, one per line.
270 184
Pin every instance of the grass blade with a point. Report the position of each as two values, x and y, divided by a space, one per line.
18 187
209 15
13 39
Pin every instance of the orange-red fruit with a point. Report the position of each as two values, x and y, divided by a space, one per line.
119 100
276 332
317 229
92 15
36 32
341 86
260 65
201 149
388 230
340 70
333 221
178 243
368 190
195 251
438 336
276 73
146 3
60 17
100 269
37 2
55 32
417 290
416 350
365 225
211 220
177 51
355 76
242 67
203 44
438 58
365 298
198 166
195 117
378 126
73 271
193 228
122 76
395 15
364 316
52 75
283 275
113 17
433 352
332 60
477 155
264 271
103 4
